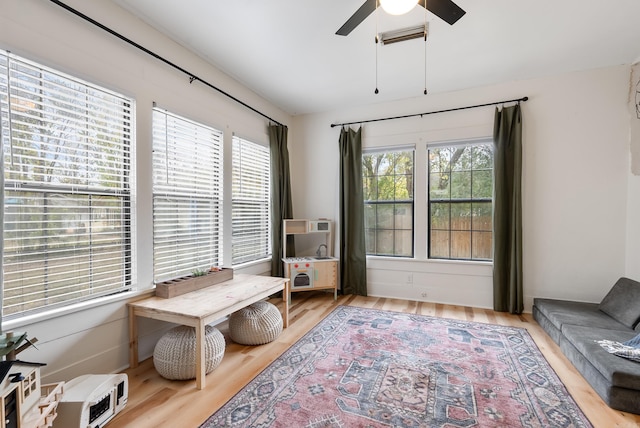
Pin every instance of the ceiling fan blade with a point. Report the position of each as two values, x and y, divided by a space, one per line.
446 10
365 10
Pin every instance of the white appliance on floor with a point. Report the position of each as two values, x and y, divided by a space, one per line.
90 401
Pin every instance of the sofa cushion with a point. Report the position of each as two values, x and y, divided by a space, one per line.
552 330
624 399
621 303
619 371
565 312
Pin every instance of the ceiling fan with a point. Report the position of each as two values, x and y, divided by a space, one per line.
447 10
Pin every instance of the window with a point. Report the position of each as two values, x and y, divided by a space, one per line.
388 202
460 201
187 196
251 198
67 194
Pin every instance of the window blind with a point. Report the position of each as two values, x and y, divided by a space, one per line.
67 199
251 196
187 196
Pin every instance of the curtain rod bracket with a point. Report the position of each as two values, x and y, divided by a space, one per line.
191 79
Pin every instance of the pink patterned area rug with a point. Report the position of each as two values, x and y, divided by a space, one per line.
370 368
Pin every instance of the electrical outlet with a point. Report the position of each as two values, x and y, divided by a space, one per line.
409 278
423 295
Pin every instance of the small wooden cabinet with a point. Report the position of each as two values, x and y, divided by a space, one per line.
316 271
326 274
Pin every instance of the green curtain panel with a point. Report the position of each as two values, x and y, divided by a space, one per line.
353 258
281 206
507 215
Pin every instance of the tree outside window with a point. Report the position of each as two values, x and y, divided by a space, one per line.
460 201
388 202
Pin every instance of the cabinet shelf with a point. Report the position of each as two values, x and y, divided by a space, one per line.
294 227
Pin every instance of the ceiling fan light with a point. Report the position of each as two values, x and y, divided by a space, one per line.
398 7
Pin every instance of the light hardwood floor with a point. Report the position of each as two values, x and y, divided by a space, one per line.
157 402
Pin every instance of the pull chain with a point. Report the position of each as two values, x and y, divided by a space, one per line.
426 30
377 43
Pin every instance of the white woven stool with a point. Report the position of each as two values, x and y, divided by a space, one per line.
258 323
175 353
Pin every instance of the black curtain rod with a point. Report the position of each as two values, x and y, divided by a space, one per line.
430 112
192 76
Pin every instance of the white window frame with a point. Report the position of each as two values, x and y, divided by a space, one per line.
471 200
67 180
394 202
187 196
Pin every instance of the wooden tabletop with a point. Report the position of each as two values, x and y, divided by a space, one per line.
207 303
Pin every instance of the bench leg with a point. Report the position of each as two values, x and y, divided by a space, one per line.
200 356
285 303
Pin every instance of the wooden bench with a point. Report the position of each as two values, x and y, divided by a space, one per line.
204 306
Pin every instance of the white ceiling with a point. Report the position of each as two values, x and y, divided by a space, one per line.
287 50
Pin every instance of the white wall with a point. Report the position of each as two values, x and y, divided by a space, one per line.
575 185
633 197
95 339
633 228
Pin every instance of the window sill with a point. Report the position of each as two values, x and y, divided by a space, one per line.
77 307
438 261
452 267
255 267
249 267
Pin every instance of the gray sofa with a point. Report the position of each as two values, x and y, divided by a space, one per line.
576 326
